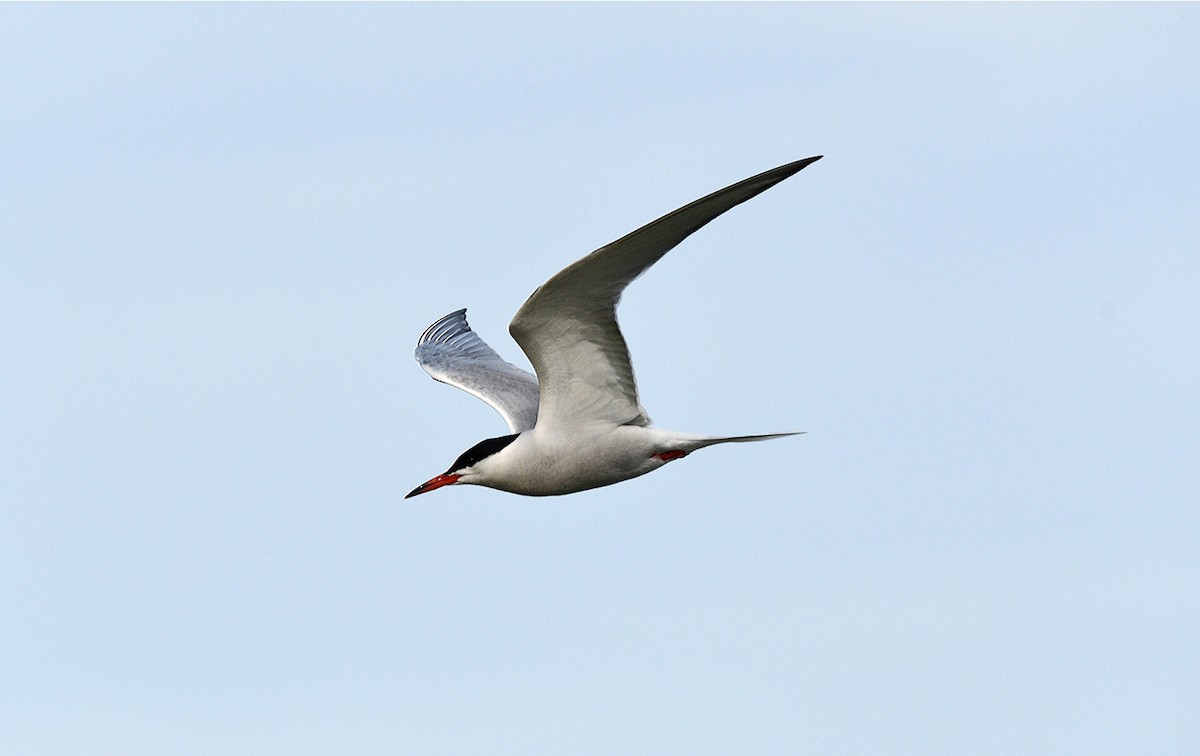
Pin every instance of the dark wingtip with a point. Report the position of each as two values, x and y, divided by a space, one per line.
775 175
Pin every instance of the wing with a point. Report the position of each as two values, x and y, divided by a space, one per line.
568 327
453 354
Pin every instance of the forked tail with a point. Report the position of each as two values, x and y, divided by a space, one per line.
700 443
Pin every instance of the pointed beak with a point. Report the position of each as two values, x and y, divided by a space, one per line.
432 485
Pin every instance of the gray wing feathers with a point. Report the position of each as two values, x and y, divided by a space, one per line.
568 327
452 353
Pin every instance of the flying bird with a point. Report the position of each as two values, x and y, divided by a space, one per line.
578 424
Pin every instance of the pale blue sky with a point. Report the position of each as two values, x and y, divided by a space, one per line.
223 227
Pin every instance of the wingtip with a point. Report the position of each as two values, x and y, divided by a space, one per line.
437 328
775 175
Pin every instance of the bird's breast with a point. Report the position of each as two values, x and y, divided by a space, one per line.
548 463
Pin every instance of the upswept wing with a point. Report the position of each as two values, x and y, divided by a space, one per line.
453 354
568 327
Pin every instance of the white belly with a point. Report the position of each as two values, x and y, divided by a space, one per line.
548 464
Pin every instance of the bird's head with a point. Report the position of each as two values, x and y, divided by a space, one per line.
466 469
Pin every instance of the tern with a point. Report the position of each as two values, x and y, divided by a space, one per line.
578 423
